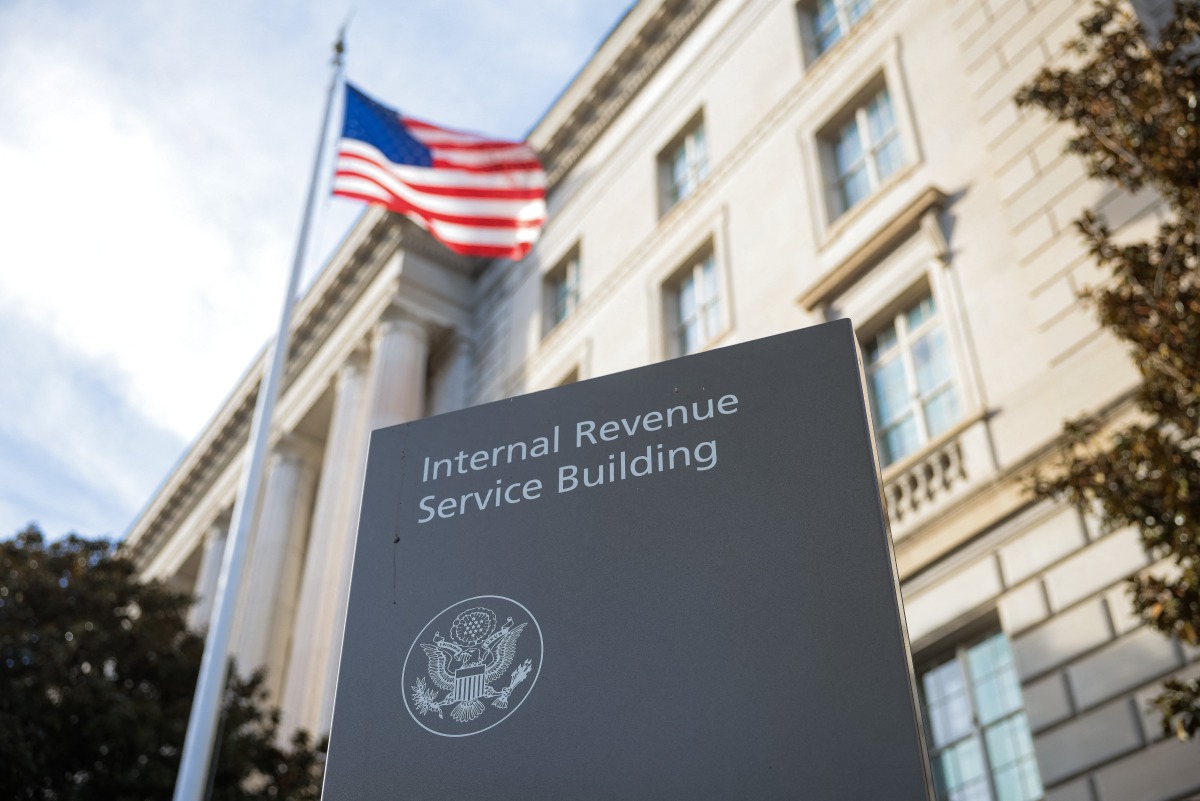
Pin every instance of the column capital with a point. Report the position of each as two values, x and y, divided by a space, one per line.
295 447
357 359
398 319
218 528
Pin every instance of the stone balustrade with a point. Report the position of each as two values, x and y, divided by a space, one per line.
918 487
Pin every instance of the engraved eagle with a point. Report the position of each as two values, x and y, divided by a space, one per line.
465 666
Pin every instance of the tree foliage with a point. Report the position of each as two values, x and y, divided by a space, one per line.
1132 98
97 671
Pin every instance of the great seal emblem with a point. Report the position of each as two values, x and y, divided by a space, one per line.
475 678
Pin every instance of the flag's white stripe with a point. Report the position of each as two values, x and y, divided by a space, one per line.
491 237
482 158
451 232
467 235
449 178
464 207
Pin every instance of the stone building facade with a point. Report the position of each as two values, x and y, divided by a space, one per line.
723 170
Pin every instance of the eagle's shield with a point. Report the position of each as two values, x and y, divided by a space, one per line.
470 683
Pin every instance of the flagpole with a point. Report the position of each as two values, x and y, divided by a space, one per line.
210 685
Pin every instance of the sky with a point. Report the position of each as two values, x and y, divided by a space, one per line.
153 163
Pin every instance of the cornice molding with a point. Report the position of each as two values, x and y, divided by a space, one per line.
616 87
377 237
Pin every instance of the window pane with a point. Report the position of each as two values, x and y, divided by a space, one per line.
847 150
880 120
947 708
997 690
687 299
889 158
944 681
922 311
560 302
889 389
699 155
709 271
690 340
855 187
941 412
679 175
960 773
931 358
856 9
825 25
1010 750
884 341
901 440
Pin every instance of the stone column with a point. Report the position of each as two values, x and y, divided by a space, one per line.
396 394
210 572
335 517
457 379
399 362
272 580
389 389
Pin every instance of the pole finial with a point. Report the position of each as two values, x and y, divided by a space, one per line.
339 47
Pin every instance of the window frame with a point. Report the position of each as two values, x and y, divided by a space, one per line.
809 11
895 316
695 152
566 274
856 113
957 652
712 326
879 62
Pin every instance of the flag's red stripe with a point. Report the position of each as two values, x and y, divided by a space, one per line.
474 193
471 221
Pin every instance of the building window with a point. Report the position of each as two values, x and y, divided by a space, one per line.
865 150
911 380
561 288
683 165
979 741
830 20
694 301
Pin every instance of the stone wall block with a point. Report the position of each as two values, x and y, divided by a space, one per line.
1164 772
1078 790
1062 639
1023 607
1088 740
1034 236
1049 541
1099 565
1120 609
1132 660
1046 702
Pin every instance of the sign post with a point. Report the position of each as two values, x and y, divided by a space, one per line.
673 582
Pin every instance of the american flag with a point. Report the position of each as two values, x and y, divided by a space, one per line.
478 196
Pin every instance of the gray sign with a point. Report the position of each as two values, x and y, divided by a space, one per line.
674 582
